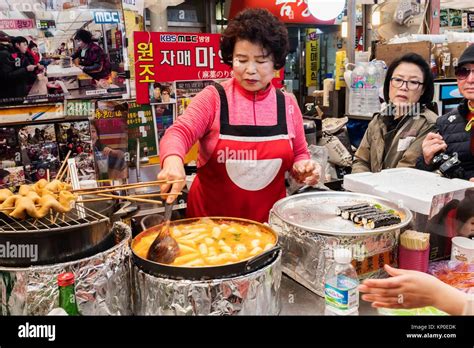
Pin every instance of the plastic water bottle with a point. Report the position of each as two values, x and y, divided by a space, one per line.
341 285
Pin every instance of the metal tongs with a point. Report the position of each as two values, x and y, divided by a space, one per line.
164 248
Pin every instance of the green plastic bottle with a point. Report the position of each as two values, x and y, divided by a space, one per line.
67 294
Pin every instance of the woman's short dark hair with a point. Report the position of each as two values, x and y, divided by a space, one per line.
4 173
260 27
32 45
465 209
18 40
83 35
428 84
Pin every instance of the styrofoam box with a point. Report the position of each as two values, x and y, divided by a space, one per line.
412 188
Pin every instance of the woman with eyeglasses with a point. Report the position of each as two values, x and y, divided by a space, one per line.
456 128
394 136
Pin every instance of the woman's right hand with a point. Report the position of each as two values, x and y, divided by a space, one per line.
173 169
432 144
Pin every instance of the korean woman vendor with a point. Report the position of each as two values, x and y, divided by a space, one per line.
250 133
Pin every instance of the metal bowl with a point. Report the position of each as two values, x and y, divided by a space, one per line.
316 212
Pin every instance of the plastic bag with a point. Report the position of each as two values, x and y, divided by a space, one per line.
332 125
338 153
319 154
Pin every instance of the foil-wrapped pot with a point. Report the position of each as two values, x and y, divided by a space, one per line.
256 293
102 283
308 231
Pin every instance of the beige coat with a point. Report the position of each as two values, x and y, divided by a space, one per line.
404 149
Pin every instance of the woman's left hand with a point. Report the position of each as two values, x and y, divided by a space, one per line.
307 172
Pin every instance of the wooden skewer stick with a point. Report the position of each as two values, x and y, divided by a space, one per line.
157 195
134 196
94 200
117 188
56 217
47 175
62 165
128 198
130 186
66 170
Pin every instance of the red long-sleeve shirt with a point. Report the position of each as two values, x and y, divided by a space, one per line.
201 120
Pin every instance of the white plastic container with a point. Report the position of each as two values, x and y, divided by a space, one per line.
414 189
462 250
341 285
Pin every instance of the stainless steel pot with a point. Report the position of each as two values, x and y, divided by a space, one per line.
309 230
77 234
209 272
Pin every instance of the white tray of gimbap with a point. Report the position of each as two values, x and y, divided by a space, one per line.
342 213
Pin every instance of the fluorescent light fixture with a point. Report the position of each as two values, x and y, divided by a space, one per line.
376 18
344 29
326 10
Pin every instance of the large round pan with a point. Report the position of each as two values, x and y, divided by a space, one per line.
208 272
56 245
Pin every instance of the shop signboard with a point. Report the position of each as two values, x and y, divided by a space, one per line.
288 11
57 77
468 20
106 17
9 24
141 127
175 56
45 24
312 57
134 5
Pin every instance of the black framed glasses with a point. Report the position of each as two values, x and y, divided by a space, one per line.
411 85
463 73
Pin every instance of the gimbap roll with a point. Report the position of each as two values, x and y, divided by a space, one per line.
340 209
358 215
383 221
366 219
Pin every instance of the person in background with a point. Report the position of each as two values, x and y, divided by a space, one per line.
62 49
17 73
155 96
413 289
41 173
90 57
34 54
166 95
393 138
455 130
245 115
4 178
455 219
110 162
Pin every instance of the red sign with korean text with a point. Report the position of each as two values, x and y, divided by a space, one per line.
288 11
162 57
8 24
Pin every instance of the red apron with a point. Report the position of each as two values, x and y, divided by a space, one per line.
245 175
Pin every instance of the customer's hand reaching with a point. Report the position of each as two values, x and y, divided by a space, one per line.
412 289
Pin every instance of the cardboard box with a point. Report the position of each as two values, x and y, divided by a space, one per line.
389 53
456 49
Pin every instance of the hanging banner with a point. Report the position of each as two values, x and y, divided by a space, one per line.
175 56
312 57
288 11
134 5
141 128
9 24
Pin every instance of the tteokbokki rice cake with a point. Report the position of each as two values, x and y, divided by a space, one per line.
207 242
